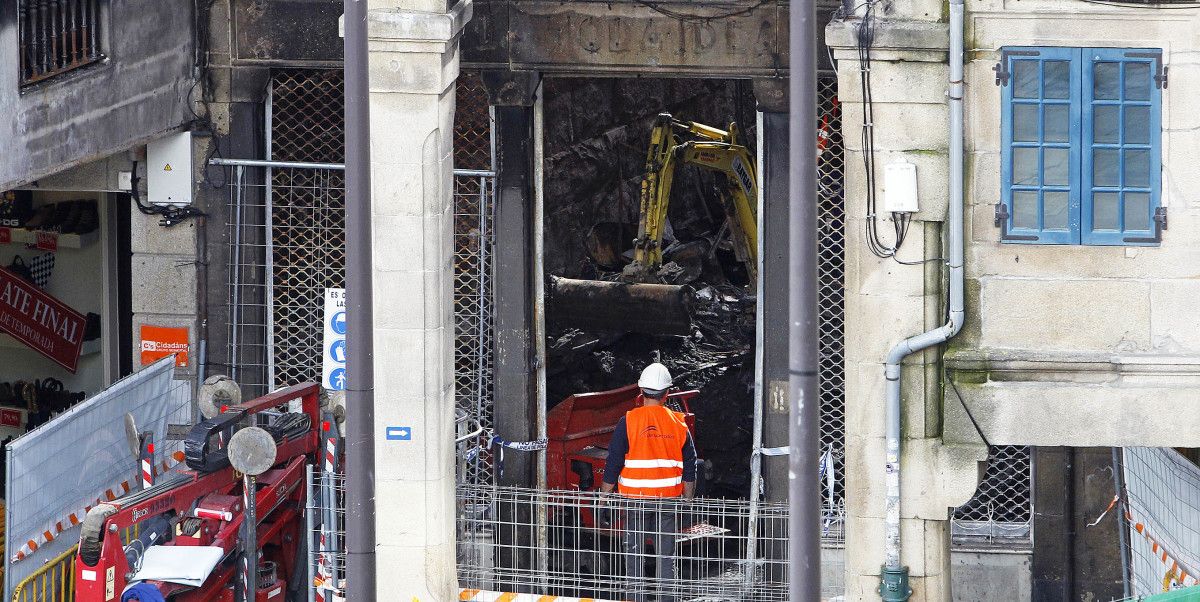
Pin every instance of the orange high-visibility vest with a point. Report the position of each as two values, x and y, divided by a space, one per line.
654 462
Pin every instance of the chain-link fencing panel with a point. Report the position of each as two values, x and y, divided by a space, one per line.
1002 508
474 194
1161 510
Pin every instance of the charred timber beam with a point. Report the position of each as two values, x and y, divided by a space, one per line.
596 305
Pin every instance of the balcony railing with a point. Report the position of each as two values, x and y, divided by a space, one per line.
57 36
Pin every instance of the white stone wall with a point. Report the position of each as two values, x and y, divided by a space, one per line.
1080 333
413 64
1063 345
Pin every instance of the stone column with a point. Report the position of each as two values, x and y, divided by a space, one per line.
413 66
887 301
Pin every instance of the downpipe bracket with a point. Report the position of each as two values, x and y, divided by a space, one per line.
893 584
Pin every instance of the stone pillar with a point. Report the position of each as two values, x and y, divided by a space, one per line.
413 66
773 298
887 301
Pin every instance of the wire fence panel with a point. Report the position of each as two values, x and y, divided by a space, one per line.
1001 511
474 206
287 245
609 547
1161 507
82 458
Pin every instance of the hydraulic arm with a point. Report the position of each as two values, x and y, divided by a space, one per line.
712 149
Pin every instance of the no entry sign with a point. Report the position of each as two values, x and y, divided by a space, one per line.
40 321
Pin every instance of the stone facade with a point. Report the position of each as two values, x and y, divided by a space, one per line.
1062 345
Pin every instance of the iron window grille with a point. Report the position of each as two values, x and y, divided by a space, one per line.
57 36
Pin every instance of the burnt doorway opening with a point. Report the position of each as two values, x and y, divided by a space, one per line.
596 137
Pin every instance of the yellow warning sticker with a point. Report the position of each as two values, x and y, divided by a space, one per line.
167 167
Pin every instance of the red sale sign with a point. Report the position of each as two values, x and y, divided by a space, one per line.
40 321
11 418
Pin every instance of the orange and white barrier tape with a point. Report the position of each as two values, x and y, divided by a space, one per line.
475 595
1183 575
52 531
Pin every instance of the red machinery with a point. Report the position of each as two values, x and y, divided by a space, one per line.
579 430
204 503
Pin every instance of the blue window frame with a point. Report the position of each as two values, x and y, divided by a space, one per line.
1080 160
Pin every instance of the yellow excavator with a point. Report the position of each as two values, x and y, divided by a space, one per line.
640 302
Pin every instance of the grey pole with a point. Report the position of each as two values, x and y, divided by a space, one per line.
360 374
804 549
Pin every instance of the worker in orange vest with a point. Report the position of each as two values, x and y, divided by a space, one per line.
651 458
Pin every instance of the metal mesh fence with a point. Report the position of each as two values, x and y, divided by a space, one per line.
474 193
326 528
308 116
1161 508
607 547
831 271
1001 510
306 218
288 223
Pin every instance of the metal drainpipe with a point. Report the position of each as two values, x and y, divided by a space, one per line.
894 578
360 377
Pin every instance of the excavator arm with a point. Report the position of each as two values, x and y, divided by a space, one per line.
715 150
642 303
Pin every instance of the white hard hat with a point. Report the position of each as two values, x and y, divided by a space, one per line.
655 377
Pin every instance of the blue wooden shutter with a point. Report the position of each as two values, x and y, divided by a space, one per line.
1122 137
1040 162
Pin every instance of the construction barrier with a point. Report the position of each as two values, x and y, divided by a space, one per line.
53 582
475 595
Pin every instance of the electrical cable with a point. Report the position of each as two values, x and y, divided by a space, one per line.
1149 5
169 215
865 34
203 122
971 416
694 18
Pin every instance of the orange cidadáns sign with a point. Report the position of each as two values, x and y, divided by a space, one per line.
160 341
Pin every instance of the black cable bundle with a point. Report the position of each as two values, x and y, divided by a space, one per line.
900 221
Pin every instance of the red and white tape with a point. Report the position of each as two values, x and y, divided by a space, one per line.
53 530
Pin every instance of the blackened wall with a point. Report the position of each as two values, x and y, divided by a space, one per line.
136 94
1072 560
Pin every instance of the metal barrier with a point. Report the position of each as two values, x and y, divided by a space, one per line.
610 547
53 582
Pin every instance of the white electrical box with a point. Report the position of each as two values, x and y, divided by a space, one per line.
900 187
169 170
